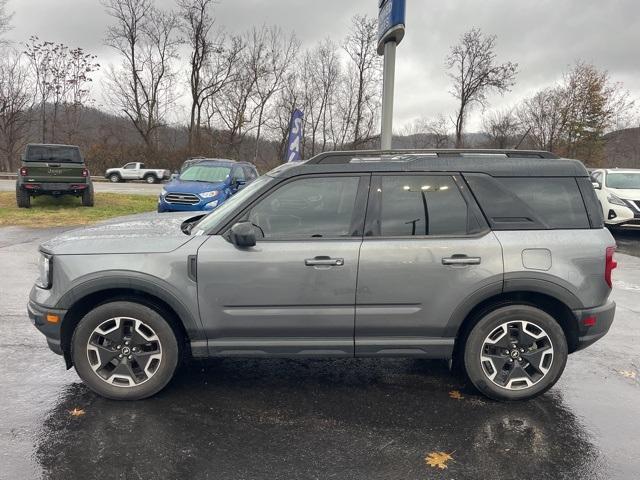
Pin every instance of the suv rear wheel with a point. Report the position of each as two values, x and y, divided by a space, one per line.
125 351
515 352
23 199
87 197
150 178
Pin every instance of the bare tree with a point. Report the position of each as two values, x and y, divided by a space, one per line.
366 69
474 73
40 55
143 87
501 128
197 23
273 54
543 117
80 66
16 99
5 20
223 69
236 103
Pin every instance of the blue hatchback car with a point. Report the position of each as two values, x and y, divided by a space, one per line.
205 185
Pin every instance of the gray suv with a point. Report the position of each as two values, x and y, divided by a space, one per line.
496 260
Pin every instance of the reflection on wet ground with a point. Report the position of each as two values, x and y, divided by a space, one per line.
313 419
628 241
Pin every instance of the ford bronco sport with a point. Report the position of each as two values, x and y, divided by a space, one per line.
496 260
53 170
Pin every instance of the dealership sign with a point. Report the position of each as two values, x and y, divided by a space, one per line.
391 18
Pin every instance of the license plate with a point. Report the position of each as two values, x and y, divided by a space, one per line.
56 186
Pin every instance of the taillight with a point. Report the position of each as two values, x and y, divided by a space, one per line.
85 172
24 172
609 265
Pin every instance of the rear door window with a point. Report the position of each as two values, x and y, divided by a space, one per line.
420 205
520 203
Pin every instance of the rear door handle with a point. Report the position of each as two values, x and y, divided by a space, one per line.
461 260
324 262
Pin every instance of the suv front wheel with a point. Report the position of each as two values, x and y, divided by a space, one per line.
125 351
515 352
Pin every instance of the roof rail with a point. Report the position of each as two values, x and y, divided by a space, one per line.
347 156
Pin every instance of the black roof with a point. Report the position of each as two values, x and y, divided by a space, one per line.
498 163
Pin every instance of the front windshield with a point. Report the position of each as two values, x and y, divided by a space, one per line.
212 220
626 181
205 173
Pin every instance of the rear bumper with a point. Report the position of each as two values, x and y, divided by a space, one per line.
38 316
67 187
590 331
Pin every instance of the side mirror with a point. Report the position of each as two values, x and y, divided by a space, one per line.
596 185
173 176
243 235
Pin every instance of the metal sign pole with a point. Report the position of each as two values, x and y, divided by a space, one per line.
391 26
388 86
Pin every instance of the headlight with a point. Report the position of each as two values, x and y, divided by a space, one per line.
163 192
209 194
612 198
44 271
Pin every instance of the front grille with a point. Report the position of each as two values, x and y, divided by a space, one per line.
182 198
637 202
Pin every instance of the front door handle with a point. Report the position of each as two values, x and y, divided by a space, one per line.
461 260
324 262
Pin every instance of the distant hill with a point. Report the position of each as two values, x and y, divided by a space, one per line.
622 148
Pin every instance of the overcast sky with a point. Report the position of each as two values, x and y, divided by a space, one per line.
544 36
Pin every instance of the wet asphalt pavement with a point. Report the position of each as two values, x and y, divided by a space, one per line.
343 419
133 188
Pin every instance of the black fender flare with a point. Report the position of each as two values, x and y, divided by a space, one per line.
128 280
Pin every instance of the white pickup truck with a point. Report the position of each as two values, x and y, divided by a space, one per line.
136 171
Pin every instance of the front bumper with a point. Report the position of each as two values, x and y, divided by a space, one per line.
204 205
623 216
594 323
38 315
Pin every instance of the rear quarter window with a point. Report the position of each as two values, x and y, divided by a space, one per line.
522 203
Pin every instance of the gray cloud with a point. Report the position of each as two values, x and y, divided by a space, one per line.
543 36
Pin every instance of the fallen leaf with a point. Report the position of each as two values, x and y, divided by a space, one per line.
456 395
438 459
76 412
628 374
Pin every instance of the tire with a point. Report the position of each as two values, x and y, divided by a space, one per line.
23 199
115 178
526 371
103 327
88 197
150 179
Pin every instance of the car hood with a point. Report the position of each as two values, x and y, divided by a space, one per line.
142 233
626 193
180 186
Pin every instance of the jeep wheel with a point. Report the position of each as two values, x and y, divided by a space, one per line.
125 351
23 199
87 197
515 352
150 179
114 178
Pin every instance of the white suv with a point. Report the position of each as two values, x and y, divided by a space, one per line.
619 193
